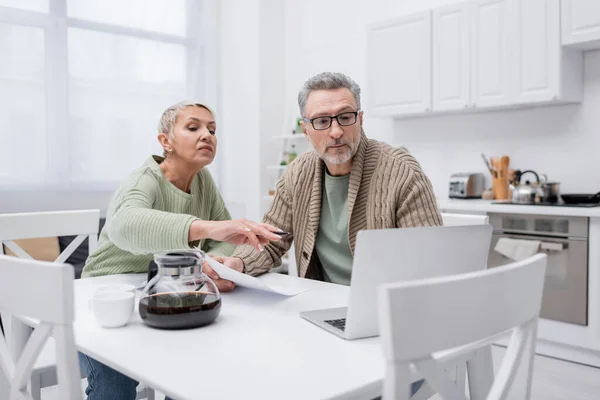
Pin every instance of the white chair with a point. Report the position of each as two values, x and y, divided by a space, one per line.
449 219
426 391
461 314
82 223
42 291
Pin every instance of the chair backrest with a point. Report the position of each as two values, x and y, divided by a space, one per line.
419 318
83 223
42 291
449 219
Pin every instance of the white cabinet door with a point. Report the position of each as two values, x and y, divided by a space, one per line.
538 50
399 66
492 76
581 23
451 57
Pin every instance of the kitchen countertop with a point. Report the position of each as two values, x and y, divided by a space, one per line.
487 206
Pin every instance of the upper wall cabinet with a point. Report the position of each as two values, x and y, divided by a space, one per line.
546 72
492 80
483 54
451 57
399 65
581 23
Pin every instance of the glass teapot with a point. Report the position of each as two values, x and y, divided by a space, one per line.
180 295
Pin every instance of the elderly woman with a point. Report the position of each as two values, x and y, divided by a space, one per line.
170 202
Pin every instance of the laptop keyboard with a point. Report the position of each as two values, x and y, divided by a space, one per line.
337 323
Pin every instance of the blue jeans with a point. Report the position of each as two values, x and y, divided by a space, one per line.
415 386
104 383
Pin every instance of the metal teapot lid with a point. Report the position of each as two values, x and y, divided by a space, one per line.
178 258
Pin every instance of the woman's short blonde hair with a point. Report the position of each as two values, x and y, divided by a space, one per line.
169 116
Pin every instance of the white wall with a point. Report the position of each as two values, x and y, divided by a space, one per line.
239 129
272 93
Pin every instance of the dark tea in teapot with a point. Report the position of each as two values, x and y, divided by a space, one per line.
179 310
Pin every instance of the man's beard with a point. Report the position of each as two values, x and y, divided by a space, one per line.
341 154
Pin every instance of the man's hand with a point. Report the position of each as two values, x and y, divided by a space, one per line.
223 284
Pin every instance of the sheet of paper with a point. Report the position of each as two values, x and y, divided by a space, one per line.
249 281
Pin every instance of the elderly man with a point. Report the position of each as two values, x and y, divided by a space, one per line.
348 183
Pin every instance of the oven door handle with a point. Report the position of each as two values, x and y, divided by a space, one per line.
552 246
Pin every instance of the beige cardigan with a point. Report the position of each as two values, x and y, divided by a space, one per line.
387 189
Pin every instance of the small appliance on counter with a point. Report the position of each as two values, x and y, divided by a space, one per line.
466 185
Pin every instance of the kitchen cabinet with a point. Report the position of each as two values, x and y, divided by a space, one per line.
451 57
545 71
399 66
472 56
581 23
492 38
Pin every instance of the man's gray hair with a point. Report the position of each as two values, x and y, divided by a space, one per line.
328 81
169 117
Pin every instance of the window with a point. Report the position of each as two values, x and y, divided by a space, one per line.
32 5
83 84
22 103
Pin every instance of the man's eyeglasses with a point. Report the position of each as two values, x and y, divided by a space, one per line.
324 122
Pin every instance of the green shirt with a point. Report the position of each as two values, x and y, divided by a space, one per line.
332 245
148 214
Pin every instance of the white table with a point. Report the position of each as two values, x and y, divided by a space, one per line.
259 347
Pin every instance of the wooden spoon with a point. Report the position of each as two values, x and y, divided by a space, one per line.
504 161
495 161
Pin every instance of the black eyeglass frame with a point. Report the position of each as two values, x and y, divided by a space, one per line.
331 117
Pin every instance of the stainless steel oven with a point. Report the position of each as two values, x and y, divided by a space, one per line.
565 241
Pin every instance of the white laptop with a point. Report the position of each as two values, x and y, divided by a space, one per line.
392 255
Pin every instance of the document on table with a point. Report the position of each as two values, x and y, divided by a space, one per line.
249 281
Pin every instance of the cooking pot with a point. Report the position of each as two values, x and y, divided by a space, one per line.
551 190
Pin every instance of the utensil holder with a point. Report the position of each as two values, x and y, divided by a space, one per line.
500 188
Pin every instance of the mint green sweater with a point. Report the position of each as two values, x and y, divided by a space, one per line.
148 214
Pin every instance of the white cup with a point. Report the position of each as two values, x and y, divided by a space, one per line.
111 288
113 309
